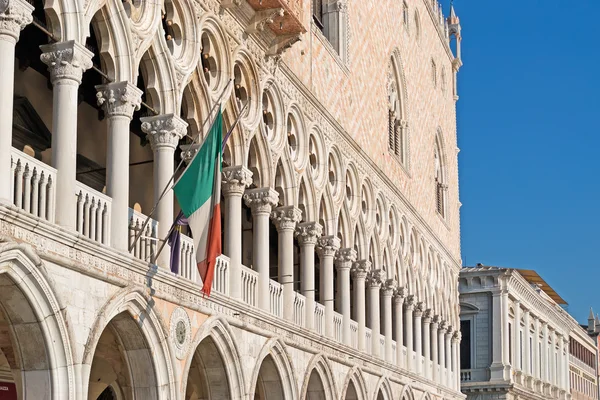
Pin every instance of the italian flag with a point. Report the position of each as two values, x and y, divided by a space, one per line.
198 192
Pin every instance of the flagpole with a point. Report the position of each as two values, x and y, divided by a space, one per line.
165 190
164 242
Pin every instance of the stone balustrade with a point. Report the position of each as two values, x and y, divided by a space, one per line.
93 213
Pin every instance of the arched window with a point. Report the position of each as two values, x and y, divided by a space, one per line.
397 124
331 17
441 187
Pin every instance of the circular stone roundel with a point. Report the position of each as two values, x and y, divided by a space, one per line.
181 334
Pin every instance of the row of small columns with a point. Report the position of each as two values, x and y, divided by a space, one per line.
538 366
67 61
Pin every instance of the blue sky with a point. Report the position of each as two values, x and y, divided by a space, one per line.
528 126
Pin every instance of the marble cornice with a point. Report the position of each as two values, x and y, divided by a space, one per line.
73 251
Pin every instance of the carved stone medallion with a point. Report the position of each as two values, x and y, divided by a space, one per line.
180 332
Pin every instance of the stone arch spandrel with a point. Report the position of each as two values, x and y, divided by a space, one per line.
275 350
383 388
219 331
320 365
134 303
356 378
34 313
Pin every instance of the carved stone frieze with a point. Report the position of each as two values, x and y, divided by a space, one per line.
307 233
261 200
66 60
164 131
14 16
235 180
119 98
285 218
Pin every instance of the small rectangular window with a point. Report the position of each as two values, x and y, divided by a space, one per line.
465 345
318 13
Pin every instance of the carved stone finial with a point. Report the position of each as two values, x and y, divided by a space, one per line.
327 246
261 200
119 98
345 258
164 131
189 151
285 218
15 15
235 180
308 233
66 60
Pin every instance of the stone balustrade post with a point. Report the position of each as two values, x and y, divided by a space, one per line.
344 260
66 61
326 248
307 234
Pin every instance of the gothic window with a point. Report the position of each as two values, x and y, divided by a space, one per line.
317 11
434 73
405 16
397 125
443 83
440 177
331 17
465 345
417 25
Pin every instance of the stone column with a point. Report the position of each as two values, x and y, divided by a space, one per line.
427 342
326 248
553 362
386 306
164 132
359 273
455 361
399 326
448 354
526 344
14 16
516 336
434 347
344 260
442 350
66 61
261 201
307 234
499 368
545 360
418 326
374 281
409 306
285 219
234 181
537 369
565 362
119 100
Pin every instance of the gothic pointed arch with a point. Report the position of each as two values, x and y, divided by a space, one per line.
326 214
360 244
383 389
407 393
285 182
441 175
306 200
343 228
159 74
273 377
143 347
257 161
319 383
397 110
213 369
355 387
29 310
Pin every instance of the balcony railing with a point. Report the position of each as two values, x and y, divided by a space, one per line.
337 326
354 334
93 213
32 186
146 246
368 341
187 259
300 310
249 282
220 281
382 345
320 318
275 298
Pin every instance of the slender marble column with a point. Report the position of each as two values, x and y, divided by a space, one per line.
565 362
164 132
387 291
499 369
66 61
359 273
119 100
553 362
505 342
285 219
261 201
427 342
435 322
526 344
409 306
15 15
343 261
545 366
374 282
442 350
234 181
418 335
455 361
326 248
516 336
399 326
307 234
448 354
537 370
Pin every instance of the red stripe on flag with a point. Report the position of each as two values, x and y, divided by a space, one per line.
206 268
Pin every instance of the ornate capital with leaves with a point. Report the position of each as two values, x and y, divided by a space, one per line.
119 98
14 16
261 200
307 233
285 218
164 131
66 60
345 258
327 246
235 180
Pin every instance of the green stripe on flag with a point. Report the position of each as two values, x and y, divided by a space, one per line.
195 187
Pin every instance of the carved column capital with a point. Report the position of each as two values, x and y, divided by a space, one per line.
345 258
427 316
66 60
235 180
261 200
456 337
327 246
409 302
285 218
119 98
15 15
360 269
419 309
443 326
436 320
388 288
307 233
164 131
375 278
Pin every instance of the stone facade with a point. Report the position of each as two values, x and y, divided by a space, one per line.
340 200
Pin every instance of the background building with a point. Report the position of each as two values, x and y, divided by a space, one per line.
347 147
